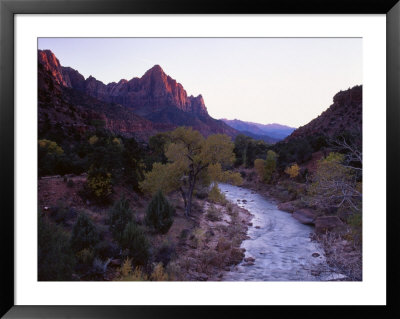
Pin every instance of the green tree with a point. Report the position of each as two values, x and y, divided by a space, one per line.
132 160
157 145
55 258
160 213
51 158
134 240
240 149
248 149
270 165
84 234
297 150
190 155
119 215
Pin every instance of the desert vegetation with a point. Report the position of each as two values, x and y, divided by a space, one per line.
319 177
139 212
192 160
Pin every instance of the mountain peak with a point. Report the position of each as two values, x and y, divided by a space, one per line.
156 69
154 91
139 107
51 64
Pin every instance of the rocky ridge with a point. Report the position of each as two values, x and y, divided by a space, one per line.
344 114
156 100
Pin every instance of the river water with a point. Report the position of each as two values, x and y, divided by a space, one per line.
281 246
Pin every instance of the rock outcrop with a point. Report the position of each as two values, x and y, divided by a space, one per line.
305 216
155 99
153 91
64 111
51 64
327 223
344 114
289 207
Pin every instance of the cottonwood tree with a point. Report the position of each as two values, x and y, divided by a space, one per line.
349 144
337 182
192 159
266 168
336 185
259 167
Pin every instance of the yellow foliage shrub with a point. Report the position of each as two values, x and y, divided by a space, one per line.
117 141
127 274
216 196
159 274
93 140
259 166
293 170
99 183
126 267
51 147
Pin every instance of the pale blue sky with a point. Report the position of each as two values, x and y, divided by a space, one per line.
266 80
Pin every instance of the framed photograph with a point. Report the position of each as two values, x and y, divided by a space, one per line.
162 158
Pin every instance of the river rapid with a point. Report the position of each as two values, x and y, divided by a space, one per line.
280 245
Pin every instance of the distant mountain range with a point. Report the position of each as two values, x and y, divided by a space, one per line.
69 104
270 133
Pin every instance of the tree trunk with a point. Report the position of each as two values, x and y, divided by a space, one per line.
192 181
183 196
188 207
189 200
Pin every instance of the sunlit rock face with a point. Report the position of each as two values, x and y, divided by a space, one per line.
51 63
156 101
152 92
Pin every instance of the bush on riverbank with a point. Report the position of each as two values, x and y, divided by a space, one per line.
216 196
213 214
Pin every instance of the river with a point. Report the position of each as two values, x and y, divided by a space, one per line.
280 245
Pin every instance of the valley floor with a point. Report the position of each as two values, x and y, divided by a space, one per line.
202 247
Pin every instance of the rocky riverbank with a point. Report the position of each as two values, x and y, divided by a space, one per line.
342 252
213 245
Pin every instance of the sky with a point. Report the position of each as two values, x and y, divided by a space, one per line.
289 81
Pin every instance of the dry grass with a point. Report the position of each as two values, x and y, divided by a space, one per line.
342 255
213 214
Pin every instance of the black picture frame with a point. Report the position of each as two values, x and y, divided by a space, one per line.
9 8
